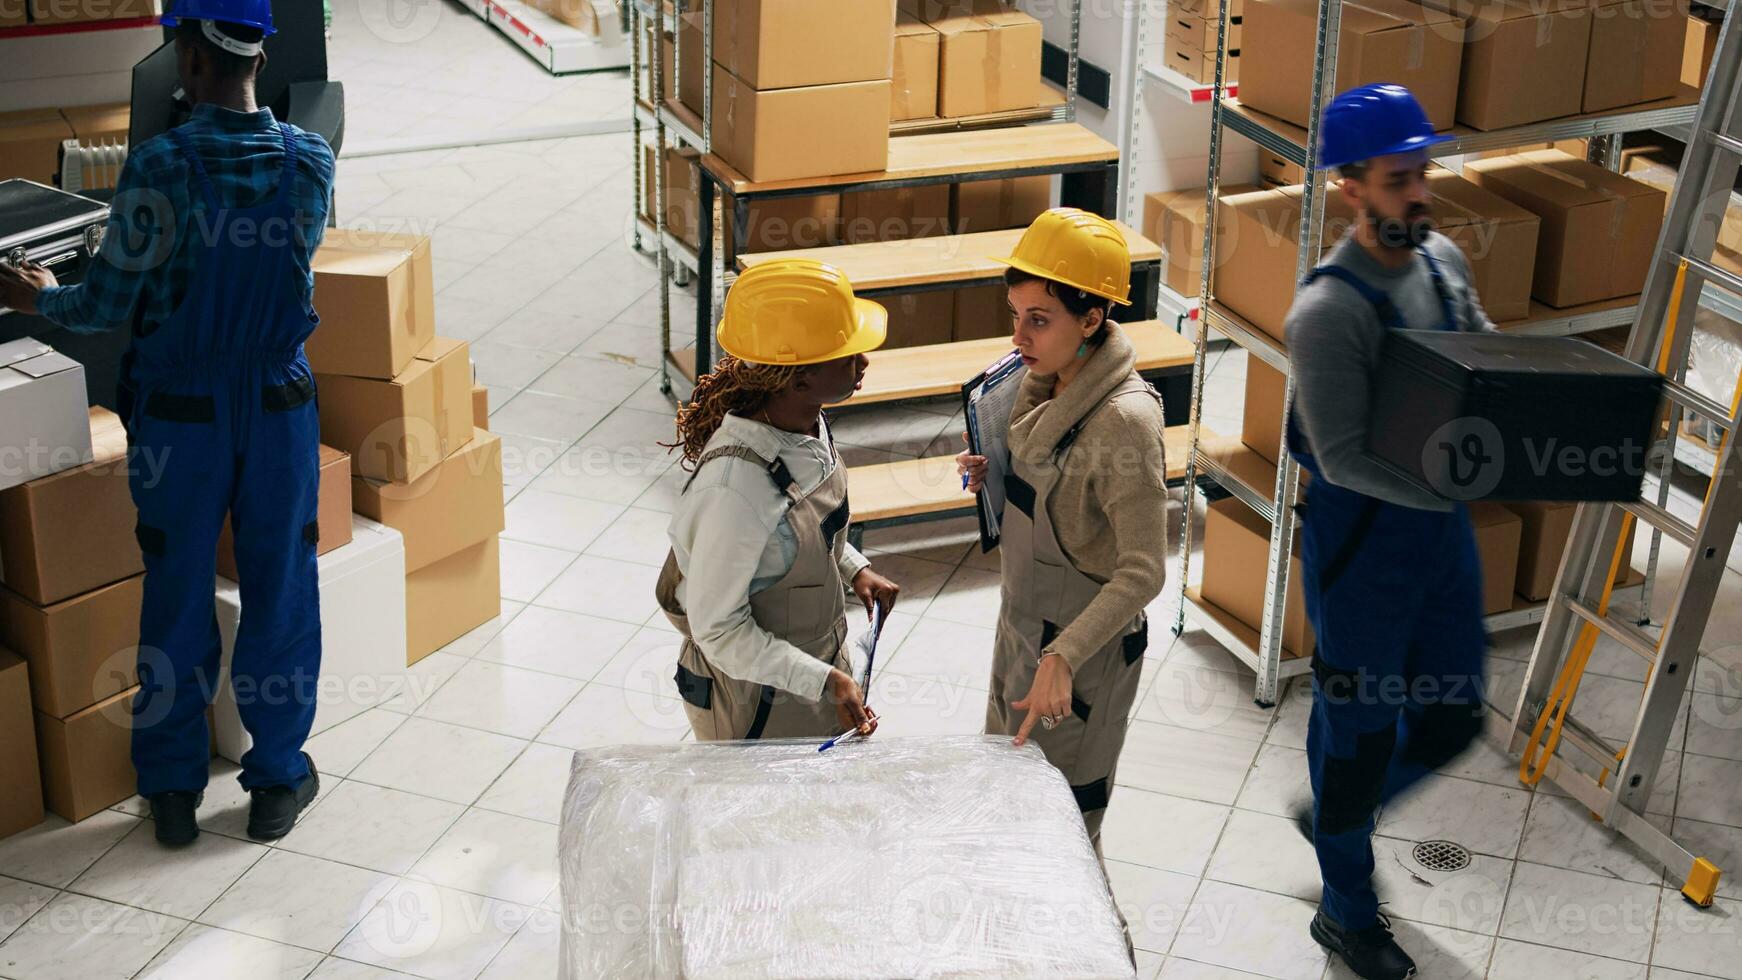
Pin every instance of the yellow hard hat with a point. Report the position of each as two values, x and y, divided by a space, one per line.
1079 249
798 311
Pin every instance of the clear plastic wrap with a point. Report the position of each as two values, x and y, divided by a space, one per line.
1715 356
948 857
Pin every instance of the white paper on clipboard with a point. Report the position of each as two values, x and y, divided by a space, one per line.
986 402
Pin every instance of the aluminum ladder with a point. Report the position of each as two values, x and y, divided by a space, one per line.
1616 782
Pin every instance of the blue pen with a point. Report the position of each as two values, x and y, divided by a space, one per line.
964 481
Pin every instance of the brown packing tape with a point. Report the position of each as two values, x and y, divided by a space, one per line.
1417 48
994 56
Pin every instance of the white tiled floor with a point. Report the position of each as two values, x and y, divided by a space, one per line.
431 850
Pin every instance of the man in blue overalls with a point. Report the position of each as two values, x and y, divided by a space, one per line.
207 260
1389 573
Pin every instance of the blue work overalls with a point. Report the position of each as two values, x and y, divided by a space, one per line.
1394 595
221 420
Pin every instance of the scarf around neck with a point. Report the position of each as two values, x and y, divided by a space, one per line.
1038 421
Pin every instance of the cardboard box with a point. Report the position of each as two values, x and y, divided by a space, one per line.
1257 241
1154 206
913 90
375 293
988 63
792 133
1497 536
1261 421
1380 41
80 650
452 507
30 144
1236 561
988 205
920 319
1598 227
683 189
1700 42
933 10
332 512
86 757
1544 528
895 215
1636 52
14 13
452 597
775 44
72 532
1197 64
43 419
1207 8
1181 235
1497 237
1275 171
690 67
1195 31
99 123
401 429
1524 60
648 156
90 11
668 63
480 407
982 312
20 775
784 223
578 14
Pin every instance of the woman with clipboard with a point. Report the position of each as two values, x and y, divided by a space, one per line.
759 562
1084 526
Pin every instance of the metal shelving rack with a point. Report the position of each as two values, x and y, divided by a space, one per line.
1277 503
670 119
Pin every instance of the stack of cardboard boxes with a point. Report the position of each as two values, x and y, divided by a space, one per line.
1175 219
30 140
1190 46
988 55
400 401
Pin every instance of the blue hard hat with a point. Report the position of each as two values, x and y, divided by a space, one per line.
1373 121
252 13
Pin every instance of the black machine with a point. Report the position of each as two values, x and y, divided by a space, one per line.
1474 416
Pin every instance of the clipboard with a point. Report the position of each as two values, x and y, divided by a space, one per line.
986 403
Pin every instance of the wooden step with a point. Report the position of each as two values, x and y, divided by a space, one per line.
963 155
930 486
941 369
929 261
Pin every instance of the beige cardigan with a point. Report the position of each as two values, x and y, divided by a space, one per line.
1109 508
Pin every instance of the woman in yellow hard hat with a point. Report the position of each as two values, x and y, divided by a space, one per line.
759 563
1084 535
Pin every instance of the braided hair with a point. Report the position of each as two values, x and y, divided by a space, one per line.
737 387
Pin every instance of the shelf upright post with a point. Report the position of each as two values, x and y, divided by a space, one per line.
662 259
633 16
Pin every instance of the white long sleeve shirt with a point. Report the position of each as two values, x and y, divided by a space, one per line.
732 540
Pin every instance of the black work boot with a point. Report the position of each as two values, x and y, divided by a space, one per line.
274 809
1370 953
174 814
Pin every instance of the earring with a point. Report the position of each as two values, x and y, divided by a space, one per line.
1083 349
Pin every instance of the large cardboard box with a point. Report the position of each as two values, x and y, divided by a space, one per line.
1497 237
690 67
792 133
895 215
982 312
90 11
80 650
401 429
332 512
452 597
1154 206
913 90
1208 8
375 293
1598 228
934 10
1524 60
683 188
1236 562
1181 234
988 205
1380 41
774 44
480 407
30 144
1544 528
1257 241
1276 171
920 319
20 773
1195 63
1700 42
99 124
781 223
1636 52
1261 420
43 418
1497 535
87 762
1195 31
455 505
988 63
72 532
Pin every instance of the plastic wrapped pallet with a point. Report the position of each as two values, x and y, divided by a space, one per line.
958 857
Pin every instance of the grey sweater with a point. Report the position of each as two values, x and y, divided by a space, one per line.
1333 348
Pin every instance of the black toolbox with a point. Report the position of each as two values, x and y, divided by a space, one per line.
49 227
1482 416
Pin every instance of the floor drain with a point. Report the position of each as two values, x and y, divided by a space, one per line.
1441 855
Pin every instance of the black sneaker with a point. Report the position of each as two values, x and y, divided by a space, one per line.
274 809
1370 953
174 814
1303 821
